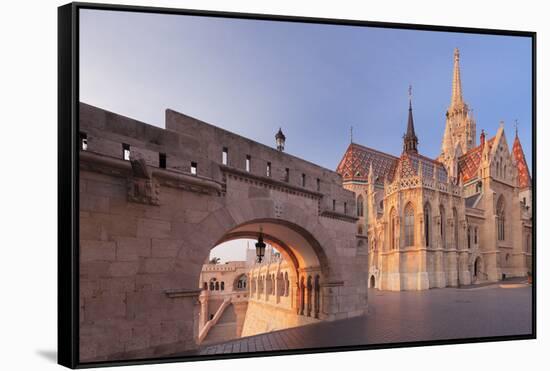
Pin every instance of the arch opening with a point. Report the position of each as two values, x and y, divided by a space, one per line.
262 294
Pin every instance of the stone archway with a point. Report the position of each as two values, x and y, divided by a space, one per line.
145 231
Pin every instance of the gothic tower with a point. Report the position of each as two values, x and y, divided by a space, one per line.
410 140
460 126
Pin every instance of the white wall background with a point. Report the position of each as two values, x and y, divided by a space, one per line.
28 84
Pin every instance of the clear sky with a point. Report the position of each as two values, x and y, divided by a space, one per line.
315 81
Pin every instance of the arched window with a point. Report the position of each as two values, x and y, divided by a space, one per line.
442 226
211 285
222 286
500 219
360 205
409 225
393 229
217 286
241 282
427 223
205 285
455 225
475 236
469 238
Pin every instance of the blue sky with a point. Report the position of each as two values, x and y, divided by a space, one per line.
315 81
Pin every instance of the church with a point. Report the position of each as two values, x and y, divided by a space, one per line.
462 218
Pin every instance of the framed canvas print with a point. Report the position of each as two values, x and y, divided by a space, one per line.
240 185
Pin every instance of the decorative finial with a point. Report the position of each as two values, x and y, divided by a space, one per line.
351 134
457 54
516 126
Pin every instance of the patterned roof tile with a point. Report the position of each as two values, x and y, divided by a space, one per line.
524 178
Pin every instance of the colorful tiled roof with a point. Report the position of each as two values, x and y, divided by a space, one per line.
524 178
357 160
468 164
410 163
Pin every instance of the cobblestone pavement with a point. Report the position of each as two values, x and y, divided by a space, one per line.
437 314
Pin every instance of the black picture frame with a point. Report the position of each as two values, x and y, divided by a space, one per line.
68 182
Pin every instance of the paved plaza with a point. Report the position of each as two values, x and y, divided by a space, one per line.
438 314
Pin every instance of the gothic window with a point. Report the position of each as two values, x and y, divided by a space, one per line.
442 226
500 219
217 286
427 223
469 238
393 229
222 286
211 285
455 226
409 225
360 205
475 236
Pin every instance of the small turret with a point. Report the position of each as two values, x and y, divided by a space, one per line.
280 140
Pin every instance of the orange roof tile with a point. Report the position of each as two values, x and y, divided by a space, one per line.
524 178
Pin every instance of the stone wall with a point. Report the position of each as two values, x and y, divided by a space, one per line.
146 231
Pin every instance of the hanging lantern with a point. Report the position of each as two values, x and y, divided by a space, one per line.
260 247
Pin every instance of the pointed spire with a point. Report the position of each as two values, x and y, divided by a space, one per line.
351 134
456 97
410 140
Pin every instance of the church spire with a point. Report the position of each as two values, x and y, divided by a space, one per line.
456 97
410 140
